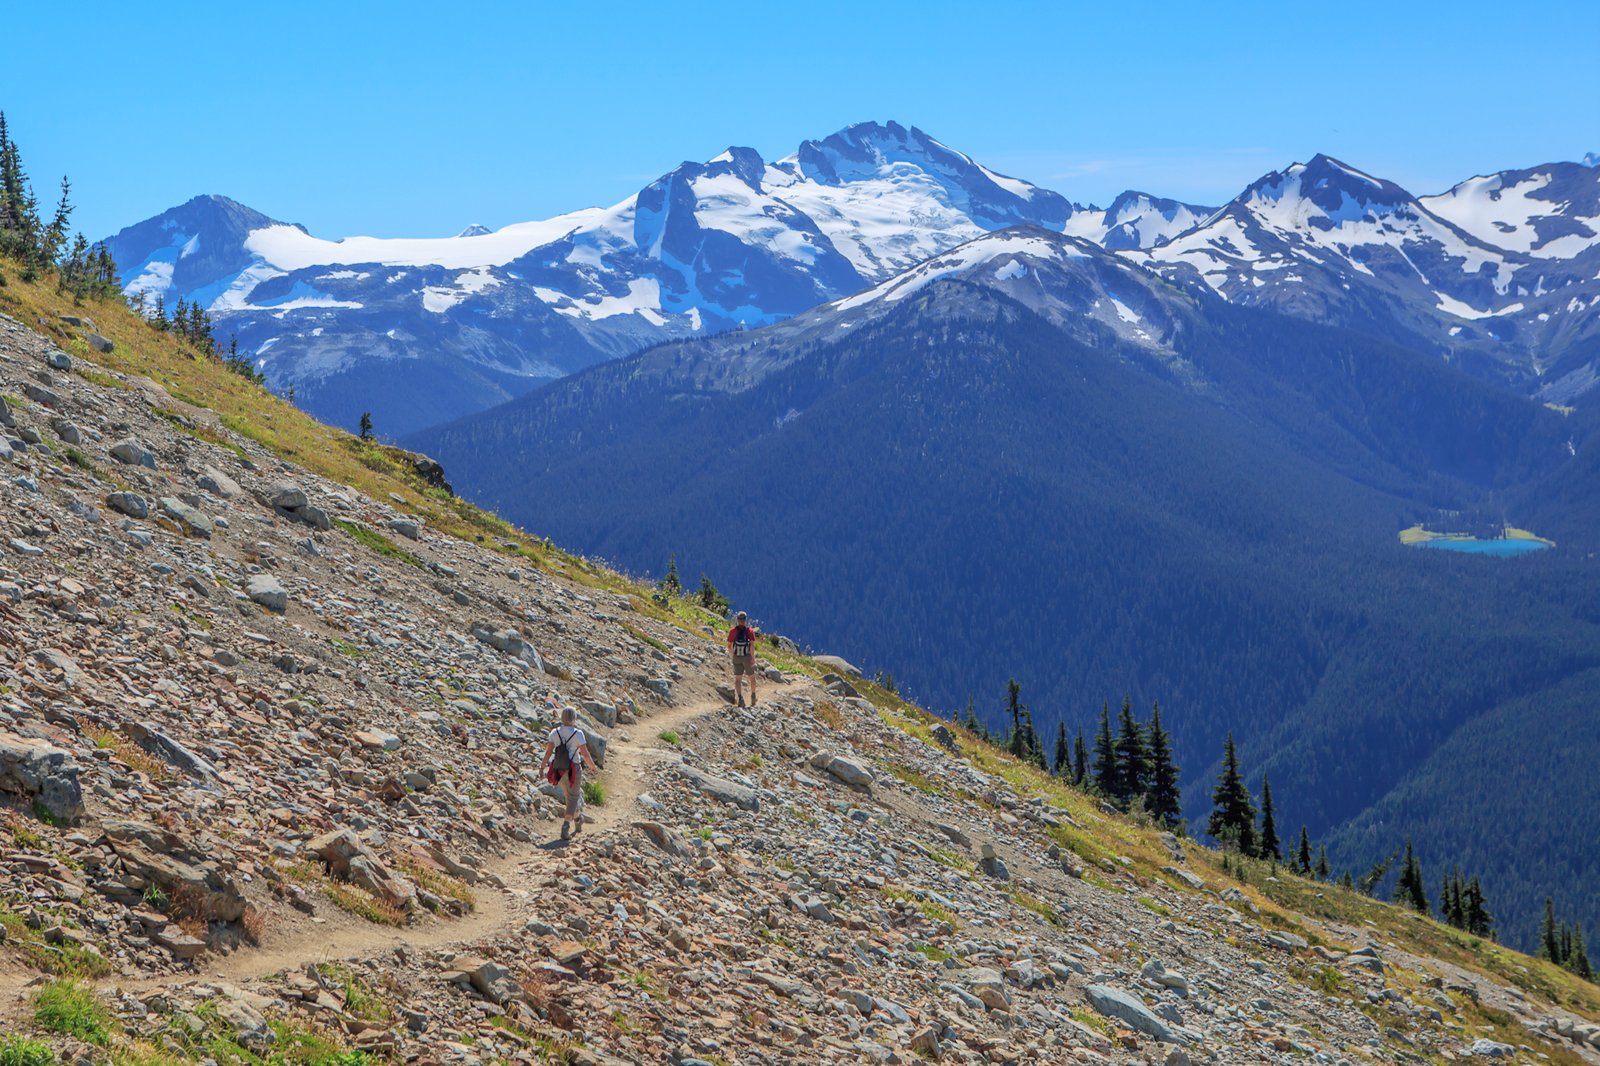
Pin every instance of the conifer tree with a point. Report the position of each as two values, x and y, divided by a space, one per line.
1578 955
1035 746
1324 871
974 726
1133 759
1270 847
1080 760
1164 800
1549 935
1061 765
1302 857
1479 921
1233 816
1016 740
365 426
1106 778
1410 889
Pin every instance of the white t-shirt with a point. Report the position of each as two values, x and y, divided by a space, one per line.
572 737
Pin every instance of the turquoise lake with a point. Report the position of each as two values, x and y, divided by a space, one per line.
1487 547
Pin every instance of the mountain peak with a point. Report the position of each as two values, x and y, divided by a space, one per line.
475 230
1592 159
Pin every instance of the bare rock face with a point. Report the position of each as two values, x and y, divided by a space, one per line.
41 774
177 866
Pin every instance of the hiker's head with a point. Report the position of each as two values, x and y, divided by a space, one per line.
741 618
569 716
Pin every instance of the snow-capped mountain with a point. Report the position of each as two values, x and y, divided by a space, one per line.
1551 211
1136 220
1460 273
733 242
1500 273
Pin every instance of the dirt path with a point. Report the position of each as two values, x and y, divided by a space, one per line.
304 940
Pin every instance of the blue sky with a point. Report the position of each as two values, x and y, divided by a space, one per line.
410 119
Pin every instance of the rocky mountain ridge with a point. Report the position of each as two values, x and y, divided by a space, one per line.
1497 274
267 746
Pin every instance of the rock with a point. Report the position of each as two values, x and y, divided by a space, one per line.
990 863
315 517
723 789
431 472
268 592
189 520
1188 877
1287 941
184 873
509 641
1491 1049
374 737
41 774
129 503
849 771
79 321
988 986
41 395
66 431
410 528
59 360
489 979
249 1026
133 453
7 419
668 840
99 343
833 662
351 860
943 737
287 497
926 1043
1130 1010
217 483
26 548
153 740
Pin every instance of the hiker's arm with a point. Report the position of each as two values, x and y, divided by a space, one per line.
584 750
549 749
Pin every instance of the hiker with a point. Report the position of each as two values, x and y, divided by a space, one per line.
565 753
742 653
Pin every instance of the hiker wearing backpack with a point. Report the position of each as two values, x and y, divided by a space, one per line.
742 653
566 752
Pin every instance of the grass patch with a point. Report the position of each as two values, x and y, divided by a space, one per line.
20 1051
129 754
71 1009
67 959
79 460
932 953
1028 901
644 638
1154 908
379 543
439 883
916 779
670 736
363 904
829 715
594 793
928 908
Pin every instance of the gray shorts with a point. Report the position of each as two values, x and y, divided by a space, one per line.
572 785
744 664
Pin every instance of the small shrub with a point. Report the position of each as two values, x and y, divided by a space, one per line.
594 793
363 904
71 1009
19 1051
670 736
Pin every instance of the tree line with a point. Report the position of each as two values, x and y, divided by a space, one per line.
39 245
88 270
1131 767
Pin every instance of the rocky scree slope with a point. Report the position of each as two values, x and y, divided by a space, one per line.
266 749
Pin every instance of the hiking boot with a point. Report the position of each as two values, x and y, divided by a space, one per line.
577 827
566 830
741 701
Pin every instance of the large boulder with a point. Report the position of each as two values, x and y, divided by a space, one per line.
1131 1011
837 665
509 641
349 859
187 875
187 520
133 453
41 774
268 592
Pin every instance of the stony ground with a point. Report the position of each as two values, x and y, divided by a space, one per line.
268 754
